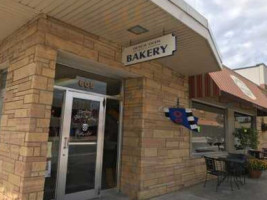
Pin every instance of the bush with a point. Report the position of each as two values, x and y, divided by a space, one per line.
247 137
256 164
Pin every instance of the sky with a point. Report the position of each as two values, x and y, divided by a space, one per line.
239 28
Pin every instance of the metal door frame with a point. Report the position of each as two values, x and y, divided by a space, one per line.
63 152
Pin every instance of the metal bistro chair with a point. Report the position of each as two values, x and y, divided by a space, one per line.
264 152
240 167
234 172
214 167
256 154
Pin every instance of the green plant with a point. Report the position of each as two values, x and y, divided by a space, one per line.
256 164
246 137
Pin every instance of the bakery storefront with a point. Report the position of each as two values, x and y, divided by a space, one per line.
83 90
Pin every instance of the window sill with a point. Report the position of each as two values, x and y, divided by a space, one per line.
210 154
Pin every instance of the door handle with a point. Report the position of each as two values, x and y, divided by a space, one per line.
66 142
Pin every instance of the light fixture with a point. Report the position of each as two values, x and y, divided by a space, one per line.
137 30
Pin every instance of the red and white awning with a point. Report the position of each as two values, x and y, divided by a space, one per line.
226 81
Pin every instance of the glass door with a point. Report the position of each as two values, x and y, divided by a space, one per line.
81 148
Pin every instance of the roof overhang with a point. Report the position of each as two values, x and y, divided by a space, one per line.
196 49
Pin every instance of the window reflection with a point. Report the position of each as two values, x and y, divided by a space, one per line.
2 89
53 145
81 165
110 144
82 80
243 121
84 123
212 129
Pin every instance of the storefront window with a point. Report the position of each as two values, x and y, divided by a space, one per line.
82 80
2 89
243 121
53 146
109 173
212 129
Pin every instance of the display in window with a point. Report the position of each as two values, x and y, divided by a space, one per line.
211 137
84 120
244 131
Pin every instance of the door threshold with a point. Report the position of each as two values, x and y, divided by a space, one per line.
113 194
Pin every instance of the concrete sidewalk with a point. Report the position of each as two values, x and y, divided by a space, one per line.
254 189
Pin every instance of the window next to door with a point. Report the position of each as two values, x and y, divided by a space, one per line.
211 138
243 121
109 170
2 89
85 81
53 145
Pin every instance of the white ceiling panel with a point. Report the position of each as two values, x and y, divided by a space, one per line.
111 19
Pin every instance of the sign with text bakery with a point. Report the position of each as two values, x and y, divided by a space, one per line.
149 50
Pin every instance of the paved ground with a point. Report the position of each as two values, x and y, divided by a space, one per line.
113 195
252 190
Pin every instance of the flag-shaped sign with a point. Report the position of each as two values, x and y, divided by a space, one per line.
184 117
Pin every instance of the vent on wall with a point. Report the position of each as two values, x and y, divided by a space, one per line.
137 30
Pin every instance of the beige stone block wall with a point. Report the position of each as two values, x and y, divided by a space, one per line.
156 152
132 134
26 113
166 163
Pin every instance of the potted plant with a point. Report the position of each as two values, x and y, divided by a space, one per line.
246 138
256 167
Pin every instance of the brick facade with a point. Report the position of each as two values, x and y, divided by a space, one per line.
26 113
155 152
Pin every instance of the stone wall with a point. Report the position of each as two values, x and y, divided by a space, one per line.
166 164
154 148
155 152
26 113
132 133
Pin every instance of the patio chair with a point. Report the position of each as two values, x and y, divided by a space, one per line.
214 167
255 153
235 171
264 152
240 168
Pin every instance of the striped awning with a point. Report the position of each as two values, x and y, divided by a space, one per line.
229 82
202 86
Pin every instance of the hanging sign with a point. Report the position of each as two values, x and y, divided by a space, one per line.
149 50
183 117
243 87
